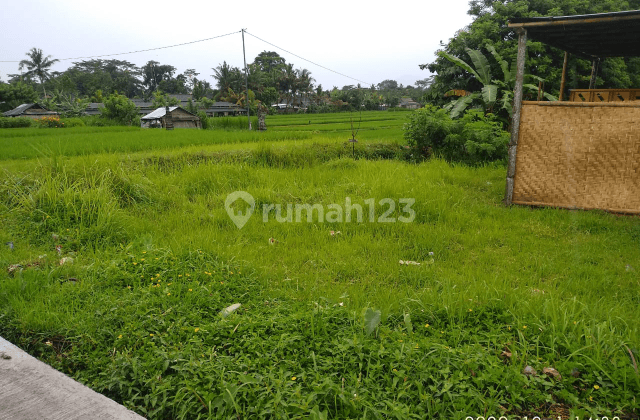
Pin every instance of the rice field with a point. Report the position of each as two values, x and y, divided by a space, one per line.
123 259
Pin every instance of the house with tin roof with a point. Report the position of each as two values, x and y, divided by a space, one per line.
170 117
33 111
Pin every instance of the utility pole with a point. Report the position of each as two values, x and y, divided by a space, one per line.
246 81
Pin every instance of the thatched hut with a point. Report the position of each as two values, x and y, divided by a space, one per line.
169 118
581 153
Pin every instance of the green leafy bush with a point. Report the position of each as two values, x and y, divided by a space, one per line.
99 121
475 138
120 108
72 122
204 120
19 122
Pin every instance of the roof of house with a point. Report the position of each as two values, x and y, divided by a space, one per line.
181 97
160 112
222 104
407 101
19 110
599 35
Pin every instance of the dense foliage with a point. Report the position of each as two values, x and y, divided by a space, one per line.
490 26
15 94
474 139
270 79
118 107
19 122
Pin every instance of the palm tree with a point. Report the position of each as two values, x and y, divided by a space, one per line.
38 65
304 82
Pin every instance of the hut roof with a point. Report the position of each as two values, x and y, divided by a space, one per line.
599 35
161 112
19 110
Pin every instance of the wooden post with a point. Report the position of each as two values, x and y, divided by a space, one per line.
168 121
564 75
594 73
517 107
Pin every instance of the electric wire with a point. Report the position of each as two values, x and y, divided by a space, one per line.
138 51
302 58
203 40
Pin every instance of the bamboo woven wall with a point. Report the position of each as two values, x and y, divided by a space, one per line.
579 155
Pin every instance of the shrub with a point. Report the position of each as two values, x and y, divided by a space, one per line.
18 122
99 121
481 137
120 108
50 122
475 138
73 122
427 129
203 119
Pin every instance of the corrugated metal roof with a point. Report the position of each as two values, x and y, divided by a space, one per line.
159 113
24 107
17 110
591 36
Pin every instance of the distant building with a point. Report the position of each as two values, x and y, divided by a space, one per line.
93 108
144 107
224 109
409 104
180 117
33 111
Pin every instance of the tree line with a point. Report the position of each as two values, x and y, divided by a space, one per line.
270 80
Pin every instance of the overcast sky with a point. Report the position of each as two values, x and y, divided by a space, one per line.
367 41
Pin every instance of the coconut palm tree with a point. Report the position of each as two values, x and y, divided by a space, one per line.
38 65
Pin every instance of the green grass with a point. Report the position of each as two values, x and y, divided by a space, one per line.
42 143
156 258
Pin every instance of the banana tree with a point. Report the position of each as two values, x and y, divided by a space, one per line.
495 95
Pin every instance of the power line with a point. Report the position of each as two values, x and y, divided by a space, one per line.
203 40
138 51
302 58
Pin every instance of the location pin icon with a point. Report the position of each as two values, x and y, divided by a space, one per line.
238 217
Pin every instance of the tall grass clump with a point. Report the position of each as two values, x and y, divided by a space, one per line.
83 207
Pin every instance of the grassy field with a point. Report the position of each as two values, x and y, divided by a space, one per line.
42 143
332 325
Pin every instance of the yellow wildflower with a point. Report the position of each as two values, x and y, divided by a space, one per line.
596 387
197 329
